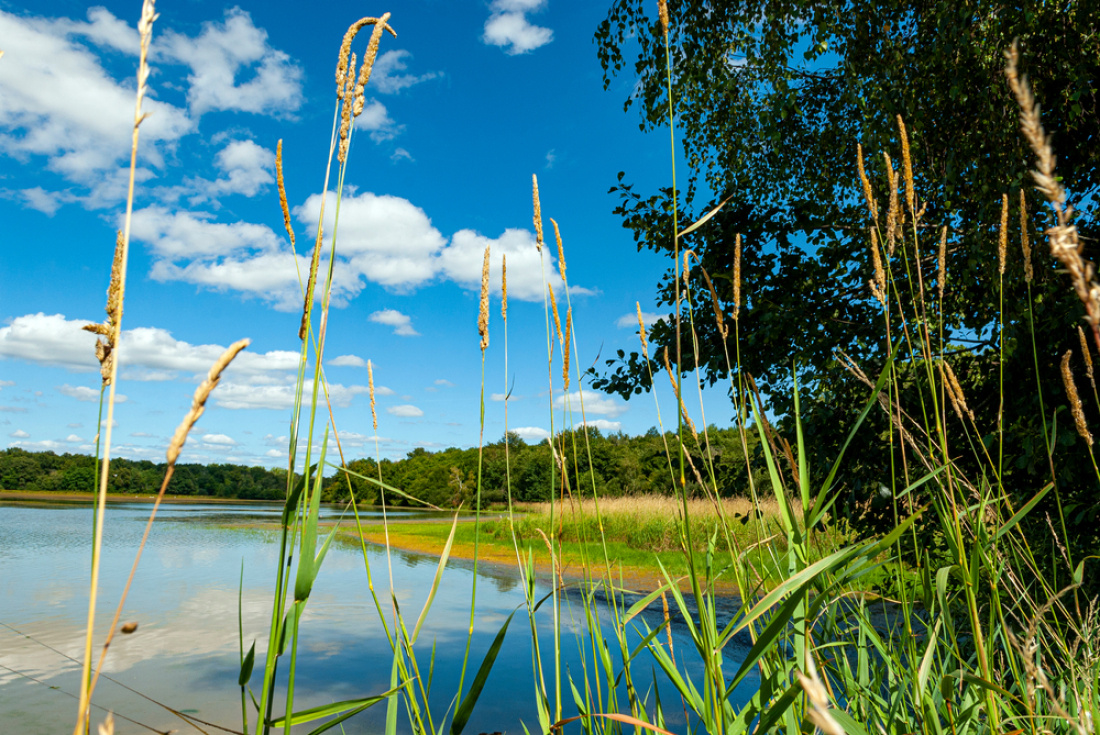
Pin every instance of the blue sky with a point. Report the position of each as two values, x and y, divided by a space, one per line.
468 102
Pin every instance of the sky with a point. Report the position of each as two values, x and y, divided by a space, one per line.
470 100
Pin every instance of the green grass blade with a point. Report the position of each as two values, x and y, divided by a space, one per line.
336 708
462 714
438 577
1023 511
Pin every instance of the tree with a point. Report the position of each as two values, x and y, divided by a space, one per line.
771 101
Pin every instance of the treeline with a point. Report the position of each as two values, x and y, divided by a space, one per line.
50 472
614 464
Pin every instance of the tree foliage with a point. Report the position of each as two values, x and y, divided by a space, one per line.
771 101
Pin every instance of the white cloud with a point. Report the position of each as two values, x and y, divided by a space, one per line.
237 395
404 410
56 341
401 323
604 425
246 167
19 434
386 239
531 434
60 102
348 361
46 202
444 383
84 393
6 384
175 235
234 68
461 261
509 28
499 397
388 75
376 120
550 158
595 403
400 154
73 439
220 439
627 321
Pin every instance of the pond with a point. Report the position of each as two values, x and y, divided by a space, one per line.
185 651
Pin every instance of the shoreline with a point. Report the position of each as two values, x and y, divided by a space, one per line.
46 496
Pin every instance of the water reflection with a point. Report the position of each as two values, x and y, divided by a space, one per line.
185 599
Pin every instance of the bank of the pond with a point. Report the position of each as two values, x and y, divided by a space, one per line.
68 497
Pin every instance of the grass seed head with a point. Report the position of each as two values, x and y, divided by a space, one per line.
893 214
282 191
941 263
538 211
105 348
483 312
504 287
718 316
557 319
345 114
561 252
868 195
907 163
878 285
370 386
566 348
1074 399
1025 245
342 74
662 15
1002 236
736 276
955 393
1086 353
641 331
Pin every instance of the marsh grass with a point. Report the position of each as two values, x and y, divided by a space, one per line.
981 642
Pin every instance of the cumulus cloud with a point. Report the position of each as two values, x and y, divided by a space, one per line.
246 168
461 262
509 28
59 102
627 321
604 425
376 120
234 68
239 395
531 434
73 439
55 341
595 403
84 393
401 323
444 383
348 361
220 439
404 410
19 434
388 75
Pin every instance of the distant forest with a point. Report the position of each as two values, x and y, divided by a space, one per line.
616 463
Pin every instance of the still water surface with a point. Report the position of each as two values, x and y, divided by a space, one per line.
185 650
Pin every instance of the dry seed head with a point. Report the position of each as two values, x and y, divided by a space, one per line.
561 252
1074 399
662 15
641 332
872 205
679 400
282 191
504 287
1002 236
483 312
538 211
370 385
107 727
566 348
878 286
819 713
1024 244
893 214
736 276
718 317
304 327
345 114
1033 131
941 263
1086 353
368 60
342 75
910 193
198 403
956 392
557 319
